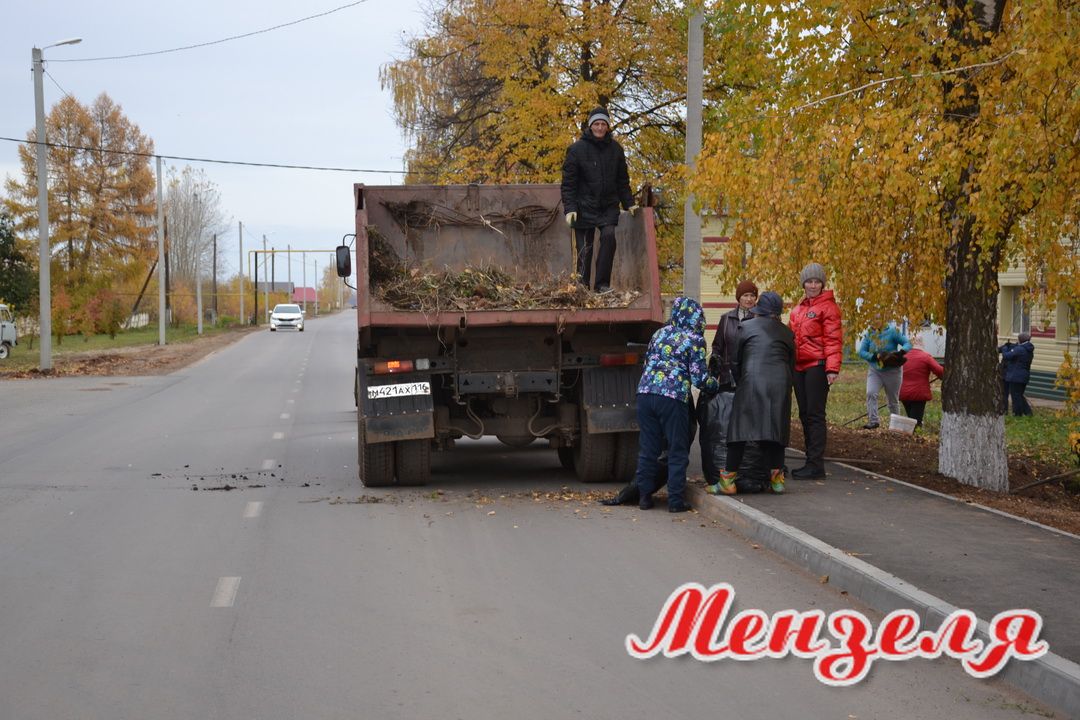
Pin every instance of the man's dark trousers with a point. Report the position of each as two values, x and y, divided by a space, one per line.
604 259
1019 403
811 393
661 417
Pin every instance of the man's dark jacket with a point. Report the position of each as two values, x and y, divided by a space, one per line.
766 362
1018 359
595 180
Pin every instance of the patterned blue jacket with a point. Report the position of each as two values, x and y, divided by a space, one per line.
676 356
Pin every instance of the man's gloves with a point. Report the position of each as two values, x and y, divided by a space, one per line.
571 218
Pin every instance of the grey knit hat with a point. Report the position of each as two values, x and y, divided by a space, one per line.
599 113
813 271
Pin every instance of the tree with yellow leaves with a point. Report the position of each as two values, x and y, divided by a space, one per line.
916 149
101 195
496 90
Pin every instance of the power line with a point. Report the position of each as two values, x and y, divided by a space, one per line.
215 42
62 90
205 160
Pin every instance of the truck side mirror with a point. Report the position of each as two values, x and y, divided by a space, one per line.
344 261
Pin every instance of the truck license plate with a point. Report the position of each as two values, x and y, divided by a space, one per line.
378 392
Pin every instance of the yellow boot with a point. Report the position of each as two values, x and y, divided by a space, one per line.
725 486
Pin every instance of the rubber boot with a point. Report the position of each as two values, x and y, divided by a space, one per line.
776 481
725 486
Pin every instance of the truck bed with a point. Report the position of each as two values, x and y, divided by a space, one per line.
517 228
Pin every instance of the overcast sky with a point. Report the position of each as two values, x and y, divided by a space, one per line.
307 94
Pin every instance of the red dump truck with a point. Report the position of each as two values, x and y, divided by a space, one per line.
426 378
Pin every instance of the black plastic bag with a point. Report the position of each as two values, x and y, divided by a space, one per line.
713 415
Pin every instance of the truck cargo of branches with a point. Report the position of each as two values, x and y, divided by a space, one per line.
435 366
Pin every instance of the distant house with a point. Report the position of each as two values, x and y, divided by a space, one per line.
304 294
275 287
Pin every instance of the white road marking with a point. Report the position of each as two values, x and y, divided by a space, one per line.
291 400
279 436
225 592
268 464
284 416
253 509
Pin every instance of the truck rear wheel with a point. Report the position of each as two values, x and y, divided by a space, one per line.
413 461
594 456
376 463
626 454
5 350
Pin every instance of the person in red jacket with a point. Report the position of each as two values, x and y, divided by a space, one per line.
819 349
915 387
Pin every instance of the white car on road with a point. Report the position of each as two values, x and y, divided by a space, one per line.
287 316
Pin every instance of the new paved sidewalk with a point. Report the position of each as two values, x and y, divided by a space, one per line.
965 555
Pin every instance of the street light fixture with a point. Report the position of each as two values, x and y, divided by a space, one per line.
44 250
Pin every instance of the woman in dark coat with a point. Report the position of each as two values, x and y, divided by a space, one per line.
762 408
714 411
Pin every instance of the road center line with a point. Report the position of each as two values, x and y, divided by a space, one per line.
268 464
284 416
253 509
225 592
279 436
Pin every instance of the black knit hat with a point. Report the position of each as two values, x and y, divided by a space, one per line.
770 304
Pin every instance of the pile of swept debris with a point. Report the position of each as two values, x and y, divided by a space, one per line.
475 287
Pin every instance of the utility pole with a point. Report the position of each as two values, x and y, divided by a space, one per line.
694 99
161 256
240 273
304 275
288 254
198 291
215 280
316 287
44 243
44 246
266 288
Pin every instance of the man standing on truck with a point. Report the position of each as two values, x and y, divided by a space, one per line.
595 182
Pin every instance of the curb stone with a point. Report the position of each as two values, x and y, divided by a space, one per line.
1051 679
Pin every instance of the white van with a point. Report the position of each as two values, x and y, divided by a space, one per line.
8 336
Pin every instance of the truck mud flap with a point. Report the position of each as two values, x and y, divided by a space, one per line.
609 396
396 407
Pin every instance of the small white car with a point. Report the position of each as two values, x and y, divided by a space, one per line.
287 316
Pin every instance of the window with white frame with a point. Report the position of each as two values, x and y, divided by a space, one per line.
1021 315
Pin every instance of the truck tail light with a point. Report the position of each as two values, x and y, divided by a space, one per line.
393 366
423 364
613 359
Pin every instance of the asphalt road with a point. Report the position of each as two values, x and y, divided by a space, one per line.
130 587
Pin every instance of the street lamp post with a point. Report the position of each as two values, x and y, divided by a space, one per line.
44 250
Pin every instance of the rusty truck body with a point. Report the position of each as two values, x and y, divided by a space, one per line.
567 376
